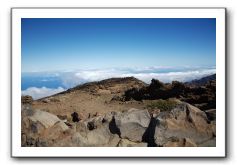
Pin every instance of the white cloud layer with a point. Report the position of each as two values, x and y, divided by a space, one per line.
38 93
71 79
97 75
171 76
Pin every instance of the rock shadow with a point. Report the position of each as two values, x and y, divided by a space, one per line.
148 135
113 127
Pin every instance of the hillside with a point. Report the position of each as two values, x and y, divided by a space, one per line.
91 98
114 85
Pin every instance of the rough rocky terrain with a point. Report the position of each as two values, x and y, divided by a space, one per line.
121 112
202 96
185 125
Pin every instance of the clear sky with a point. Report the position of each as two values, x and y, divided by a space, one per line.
65 44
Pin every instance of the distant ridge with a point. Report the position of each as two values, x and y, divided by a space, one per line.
202 81
109 82
91 86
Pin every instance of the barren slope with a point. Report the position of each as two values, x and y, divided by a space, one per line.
91 99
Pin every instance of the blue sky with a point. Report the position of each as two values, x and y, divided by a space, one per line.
67 44
58 54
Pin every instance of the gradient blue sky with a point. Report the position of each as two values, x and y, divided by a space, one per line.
66 44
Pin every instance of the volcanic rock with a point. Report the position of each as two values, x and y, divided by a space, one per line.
132 124
26 99
184 121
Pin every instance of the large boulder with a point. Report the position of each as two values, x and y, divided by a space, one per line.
46 119
102 137
40 126
184 121
132 124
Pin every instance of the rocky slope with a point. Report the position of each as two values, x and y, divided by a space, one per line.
122 112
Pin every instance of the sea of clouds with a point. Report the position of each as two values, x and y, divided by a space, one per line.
69 79
38 93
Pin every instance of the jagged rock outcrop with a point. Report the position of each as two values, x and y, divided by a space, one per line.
203 96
